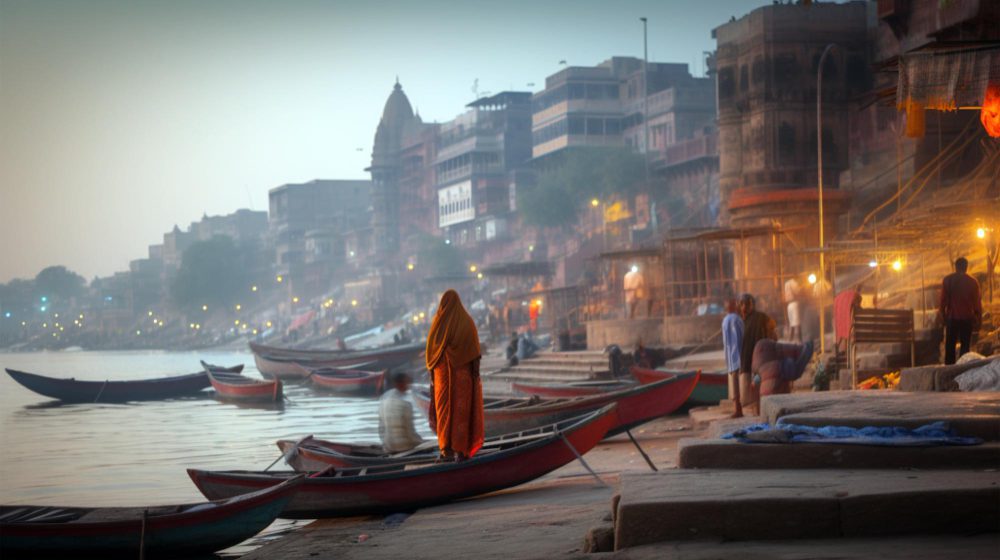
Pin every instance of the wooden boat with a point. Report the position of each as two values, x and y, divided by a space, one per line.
637 405
348 381
712 386
236 387
405 487
570 389
281 362
178 531
74 390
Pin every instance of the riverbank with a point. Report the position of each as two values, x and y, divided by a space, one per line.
567 514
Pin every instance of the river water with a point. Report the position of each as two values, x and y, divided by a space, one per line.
136 454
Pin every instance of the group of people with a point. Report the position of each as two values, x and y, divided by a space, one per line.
756 361
456 408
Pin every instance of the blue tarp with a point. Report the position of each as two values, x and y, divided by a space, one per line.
938 433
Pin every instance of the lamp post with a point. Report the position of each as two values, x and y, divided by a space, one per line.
645 100
819 186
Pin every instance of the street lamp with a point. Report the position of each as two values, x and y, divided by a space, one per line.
819 186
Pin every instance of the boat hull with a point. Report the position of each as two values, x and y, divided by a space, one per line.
396 488
712 387
203 529
636 405
569 390
288 363
73 390
349 382
252 391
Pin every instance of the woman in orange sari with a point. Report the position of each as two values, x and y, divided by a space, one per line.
456 411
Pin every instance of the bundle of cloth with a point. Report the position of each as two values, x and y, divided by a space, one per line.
937 433
777 364
982 378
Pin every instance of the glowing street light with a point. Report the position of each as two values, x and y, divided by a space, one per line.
204 307
409 266
872 264
268 324
354 303
812 278
253 288
981 233
479 275
279 278
238 307
236 322
295 299
595 203
473 268
897 265
149 313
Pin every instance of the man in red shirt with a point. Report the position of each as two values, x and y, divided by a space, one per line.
960 309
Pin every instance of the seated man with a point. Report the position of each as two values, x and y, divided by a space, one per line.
395 417
776 365
526 347
511 352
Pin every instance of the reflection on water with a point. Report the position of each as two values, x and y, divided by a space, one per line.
136 453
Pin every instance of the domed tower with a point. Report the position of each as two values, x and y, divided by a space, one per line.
397 119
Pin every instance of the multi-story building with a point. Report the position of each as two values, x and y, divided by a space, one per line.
767 66
581 106
479 156
307 225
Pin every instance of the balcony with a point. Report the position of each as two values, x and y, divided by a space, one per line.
687 151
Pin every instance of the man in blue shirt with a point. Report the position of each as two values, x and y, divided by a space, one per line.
732 343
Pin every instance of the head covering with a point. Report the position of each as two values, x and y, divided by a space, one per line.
453 333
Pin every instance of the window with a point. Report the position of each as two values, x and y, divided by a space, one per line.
577 91
595 127
612 126
576 125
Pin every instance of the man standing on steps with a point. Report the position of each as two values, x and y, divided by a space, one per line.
757 326
961 309
732 344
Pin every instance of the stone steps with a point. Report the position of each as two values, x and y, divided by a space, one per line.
696 453
683 505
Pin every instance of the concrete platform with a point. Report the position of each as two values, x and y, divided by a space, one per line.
971 414
696 453
681 505
939 377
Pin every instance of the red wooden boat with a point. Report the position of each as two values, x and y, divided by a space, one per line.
179 531
570 389
637 405
348 381
236 387
281 362
405 487
712 386
75 390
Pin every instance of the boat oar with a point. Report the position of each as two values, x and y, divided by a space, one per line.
142 535
101 392
641 452
288 454
582 462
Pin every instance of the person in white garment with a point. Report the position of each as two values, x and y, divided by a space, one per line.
793 299
395 417
635 290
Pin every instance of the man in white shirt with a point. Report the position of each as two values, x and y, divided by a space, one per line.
635 290
792 298
395 417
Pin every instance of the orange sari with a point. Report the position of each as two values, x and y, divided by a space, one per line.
456 411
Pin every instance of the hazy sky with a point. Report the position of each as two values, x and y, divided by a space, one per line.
119 119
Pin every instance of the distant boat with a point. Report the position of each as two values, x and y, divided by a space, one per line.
637 405
178 531
405 487
281 362
74 390
348 381
231 386
712 387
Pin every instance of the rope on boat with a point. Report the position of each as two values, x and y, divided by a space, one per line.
142 535
582 462
641 451
101 392
290 453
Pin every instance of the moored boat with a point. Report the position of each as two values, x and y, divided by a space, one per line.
348 381
75 390
283 364
637 405
176 531
405 487
712 386
237 387
570 389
